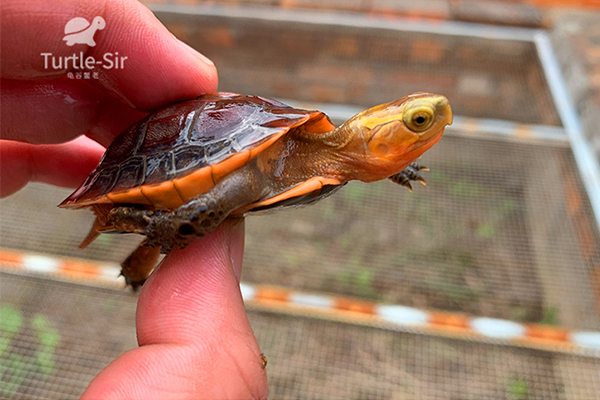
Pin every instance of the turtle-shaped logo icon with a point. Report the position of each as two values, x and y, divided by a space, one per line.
80 31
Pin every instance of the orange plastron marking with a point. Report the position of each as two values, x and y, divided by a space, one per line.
133 195
163 195
224 168
310 185
198 182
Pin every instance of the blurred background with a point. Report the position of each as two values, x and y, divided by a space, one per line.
491 271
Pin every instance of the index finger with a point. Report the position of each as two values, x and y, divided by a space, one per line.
155 68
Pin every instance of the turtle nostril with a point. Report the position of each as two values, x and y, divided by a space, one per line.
186 229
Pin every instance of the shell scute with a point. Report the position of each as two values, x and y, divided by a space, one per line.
124 145
102 180
131 174
159 168
169 128
174 142
189 158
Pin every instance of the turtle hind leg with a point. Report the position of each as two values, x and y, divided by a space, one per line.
410 173
139 265
168 230
164 231
198 217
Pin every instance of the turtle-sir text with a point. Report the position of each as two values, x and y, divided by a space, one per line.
82 62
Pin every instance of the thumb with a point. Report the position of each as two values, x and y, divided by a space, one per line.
195 339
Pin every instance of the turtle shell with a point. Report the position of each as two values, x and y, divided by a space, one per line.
76 25
183 150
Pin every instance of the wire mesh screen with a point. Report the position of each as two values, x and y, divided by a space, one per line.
31 221
503 229
334 361
58 336
364 66
54 349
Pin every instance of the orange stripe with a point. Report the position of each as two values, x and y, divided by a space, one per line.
346 304
235 162
79 269
319 123
12 258
267 143
449 321
273 294
545 332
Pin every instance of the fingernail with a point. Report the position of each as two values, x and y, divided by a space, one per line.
196 54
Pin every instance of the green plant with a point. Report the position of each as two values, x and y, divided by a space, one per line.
15 367
550 316
517 389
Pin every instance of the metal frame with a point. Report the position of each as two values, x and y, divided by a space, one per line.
587 163
589 168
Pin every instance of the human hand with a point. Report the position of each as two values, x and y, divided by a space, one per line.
195 340
41 105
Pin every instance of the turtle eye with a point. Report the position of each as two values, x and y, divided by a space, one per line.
418 119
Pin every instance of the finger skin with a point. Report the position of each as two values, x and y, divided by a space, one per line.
65 164
194 336
159 69
41 105
59 110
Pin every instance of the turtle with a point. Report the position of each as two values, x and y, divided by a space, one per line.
178 173
80 31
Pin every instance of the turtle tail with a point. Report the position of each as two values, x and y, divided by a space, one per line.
100 223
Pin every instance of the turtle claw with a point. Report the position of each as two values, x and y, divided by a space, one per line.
133 284
409 174
138 266
418 167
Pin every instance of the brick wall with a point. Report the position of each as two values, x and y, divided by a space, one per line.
482 78
531 13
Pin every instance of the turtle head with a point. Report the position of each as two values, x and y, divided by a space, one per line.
395 134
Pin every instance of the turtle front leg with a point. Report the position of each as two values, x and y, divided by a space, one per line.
410 173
